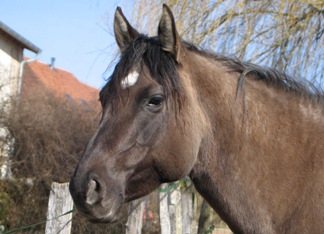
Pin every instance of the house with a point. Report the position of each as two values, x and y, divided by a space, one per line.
19 75
14 69
63 84
12 46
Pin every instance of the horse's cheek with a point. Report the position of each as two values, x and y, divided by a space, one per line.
177 155
147 134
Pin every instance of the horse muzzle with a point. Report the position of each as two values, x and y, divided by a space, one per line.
93 197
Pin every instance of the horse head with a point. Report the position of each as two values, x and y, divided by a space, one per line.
150 130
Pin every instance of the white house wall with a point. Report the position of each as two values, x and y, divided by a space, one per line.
10 57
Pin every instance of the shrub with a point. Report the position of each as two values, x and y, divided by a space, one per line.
50 135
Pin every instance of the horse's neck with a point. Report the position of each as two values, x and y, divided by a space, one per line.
247 168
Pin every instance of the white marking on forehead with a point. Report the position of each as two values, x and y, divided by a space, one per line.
130 80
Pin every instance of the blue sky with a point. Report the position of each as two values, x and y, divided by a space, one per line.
78 33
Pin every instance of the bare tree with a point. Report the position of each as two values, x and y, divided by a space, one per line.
286 35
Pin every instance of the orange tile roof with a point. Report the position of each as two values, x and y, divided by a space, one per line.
62 83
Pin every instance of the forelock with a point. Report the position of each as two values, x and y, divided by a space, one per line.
144 51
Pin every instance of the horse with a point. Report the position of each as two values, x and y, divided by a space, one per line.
249 137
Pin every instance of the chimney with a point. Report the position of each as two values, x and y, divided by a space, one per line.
51 65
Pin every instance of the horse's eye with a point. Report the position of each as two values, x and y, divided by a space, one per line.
155 100
155 103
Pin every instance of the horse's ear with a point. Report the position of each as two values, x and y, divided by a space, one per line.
124 32
168 34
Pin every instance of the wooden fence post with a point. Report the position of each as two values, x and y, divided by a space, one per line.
135 217
59 203
187 211
165 222
175 211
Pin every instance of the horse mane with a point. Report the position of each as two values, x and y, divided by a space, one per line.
162 67
270 76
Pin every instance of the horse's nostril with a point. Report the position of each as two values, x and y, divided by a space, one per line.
94 185
93 192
